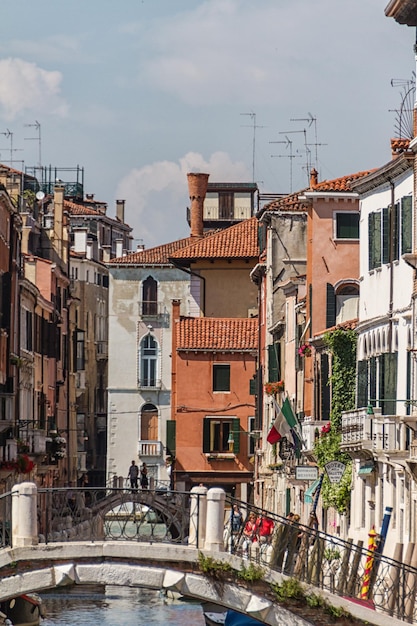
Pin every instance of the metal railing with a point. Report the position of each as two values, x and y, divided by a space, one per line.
327 562
91 514
5 519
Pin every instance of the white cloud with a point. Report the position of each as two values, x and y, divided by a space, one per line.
26 87
157 195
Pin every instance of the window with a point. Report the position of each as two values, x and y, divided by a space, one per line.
221 377
347 225
149 423
377 382
347 303
251 438
26 339
390 233
148 362
79 350
221 434
149 296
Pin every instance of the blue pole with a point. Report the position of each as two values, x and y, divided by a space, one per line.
384 528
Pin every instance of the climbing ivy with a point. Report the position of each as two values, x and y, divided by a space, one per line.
342 346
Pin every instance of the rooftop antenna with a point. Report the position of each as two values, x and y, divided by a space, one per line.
306 148
9 134
254 126
291 156
404 126
37 126
311 120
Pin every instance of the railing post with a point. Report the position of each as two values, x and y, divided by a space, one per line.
24 515
215 520
198 507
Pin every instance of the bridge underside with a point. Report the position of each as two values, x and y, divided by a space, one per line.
175 568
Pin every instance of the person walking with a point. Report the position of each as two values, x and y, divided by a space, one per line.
133 476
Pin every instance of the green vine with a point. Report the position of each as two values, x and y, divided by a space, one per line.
342 346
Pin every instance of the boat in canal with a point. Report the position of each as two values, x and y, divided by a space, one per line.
25 609
219 616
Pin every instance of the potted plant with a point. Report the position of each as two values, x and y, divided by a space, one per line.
271 389
304 350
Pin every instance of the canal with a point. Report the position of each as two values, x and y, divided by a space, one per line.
117 606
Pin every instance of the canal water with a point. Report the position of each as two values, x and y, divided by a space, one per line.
117 606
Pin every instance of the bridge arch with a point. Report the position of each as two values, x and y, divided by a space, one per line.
47 566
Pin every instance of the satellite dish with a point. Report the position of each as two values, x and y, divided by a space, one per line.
40 195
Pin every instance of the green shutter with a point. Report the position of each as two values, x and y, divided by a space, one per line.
252 387
389 384
206 434
396 232
371 241
377 240
236 435
325 387
373 379
330 306
385 236
171 437
221 377
261 237
273 363
362 384
406 224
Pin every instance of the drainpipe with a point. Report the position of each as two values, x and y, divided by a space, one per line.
391 265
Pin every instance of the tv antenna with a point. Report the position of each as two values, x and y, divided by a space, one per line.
254 126
37 126
8 134
306 148
404 115
288 144
311 120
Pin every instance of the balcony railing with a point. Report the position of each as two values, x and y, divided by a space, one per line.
150 309
361 431
150 448
150 383
102 349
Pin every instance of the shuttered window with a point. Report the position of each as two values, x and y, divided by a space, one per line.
362 384
171 438
406 224
385 236
330 306
389 383
395 232
217 433
273 362
347 225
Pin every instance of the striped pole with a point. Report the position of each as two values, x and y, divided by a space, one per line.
372 544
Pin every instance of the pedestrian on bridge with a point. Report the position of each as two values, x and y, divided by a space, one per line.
144 482
133 476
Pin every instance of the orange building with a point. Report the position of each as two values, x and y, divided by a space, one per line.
214 354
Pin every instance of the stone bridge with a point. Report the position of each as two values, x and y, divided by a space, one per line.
207 564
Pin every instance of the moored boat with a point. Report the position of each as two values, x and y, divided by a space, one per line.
25 609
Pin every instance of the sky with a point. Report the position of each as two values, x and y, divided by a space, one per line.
140 92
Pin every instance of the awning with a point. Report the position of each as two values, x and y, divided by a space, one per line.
309 493
366 468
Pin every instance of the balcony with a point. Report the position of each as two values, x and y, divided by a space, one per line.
101 349
146 383
150 449
375 433
150 310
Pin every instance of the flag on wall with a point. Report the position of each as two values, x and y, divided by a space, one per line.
284 422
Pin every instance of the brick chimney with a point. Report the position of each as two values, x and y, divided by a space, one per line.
197 187
314 178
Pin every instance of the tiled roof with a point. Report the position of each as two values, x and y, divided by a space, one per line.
224 334
398 146
340 184
287 203
79 209
154 256
348 325
239 241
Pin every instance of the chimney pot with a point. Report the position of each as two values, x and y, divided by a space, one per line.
313 178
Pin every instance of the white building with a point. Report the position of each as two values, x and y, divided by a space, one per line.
379 434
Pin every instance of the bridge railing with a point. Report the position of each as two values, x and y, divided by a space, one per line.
325 561
91 514
5 519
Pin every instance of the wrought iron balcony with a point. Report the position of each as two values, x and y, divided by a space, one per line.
148 448
150 383
149 309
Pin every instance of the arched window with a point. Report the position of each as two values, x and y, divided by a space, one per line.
347 303
148 364
149 296
149 423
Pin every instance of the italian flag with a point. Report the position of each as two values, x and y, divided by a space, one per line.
284 421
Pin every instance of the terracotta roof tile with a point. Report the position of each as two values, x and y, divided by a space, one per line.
340 184
287 203
348 325
223 334
399 145
239 241
79 209
153 256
